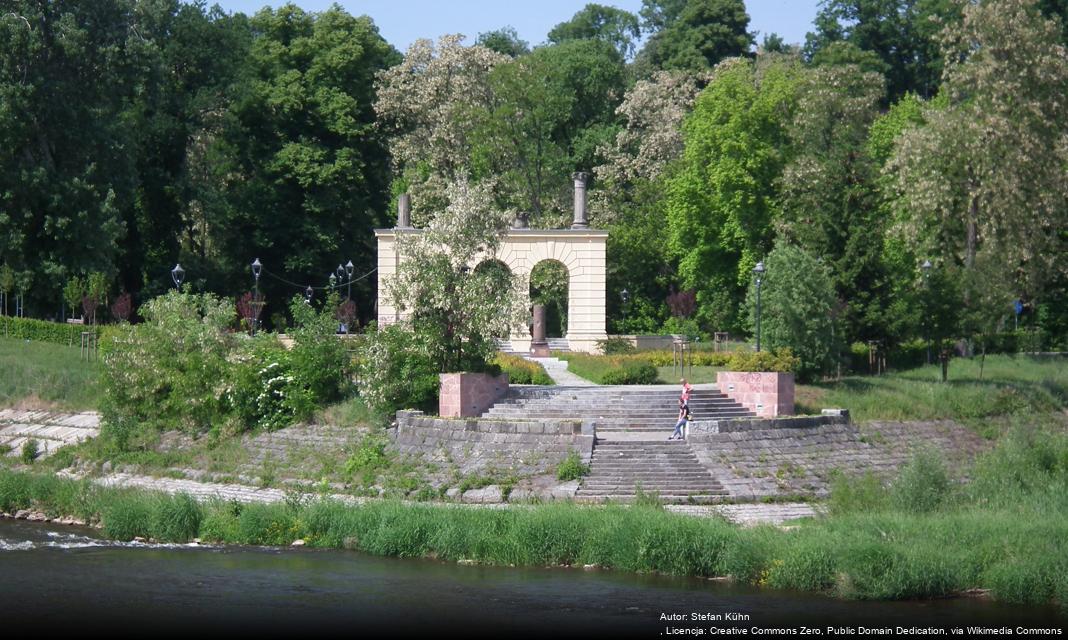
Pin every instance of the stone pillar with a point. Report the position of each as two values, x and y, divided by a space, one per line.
404 211
539 346
580 221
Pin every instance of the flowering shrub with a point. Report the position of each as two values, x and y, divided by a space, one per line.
263 391
397 370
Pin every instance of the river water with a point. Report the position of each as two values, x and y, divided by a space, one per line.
55 578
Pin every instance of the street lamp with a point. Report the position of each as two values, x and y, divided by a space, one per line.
308 293
625 296
926 266
348 274
177 274
333 280
759 271
257 267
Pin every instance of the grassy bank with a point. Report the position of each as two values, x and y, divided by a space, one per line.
1010 385
39 375
921 537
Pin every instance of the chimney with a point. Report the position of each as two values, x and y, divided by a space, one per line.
580 201
404 211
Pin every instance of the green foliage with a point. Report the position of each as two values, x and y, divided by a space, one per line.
922 486
630 373
616 346
169 372
797 309
369 457
722 198
695 35
598 22
44 331
321 363
396 370
73 292
264 388
571 467
29 451
521 370
779 360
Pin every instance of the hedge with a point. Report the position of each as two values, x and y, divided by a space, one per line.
44 331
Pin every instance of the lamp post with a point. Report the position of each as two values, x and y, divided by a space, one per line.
257 267
348 274
625 296
177 274
926 266
333 280
758 270
308 293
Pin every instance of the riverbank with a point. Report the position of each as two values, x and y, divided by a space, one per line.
878 554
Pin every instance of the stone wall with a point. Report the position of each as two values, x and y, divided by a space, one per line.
755 459
767 394
528 447
470 394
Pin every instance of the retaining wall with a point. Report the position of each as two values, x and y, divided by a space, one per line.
469 394
767 394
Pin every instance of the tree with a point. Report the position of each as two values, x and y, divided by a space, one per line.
694 35
902 34
430 104
797 301
981 183
458 310
722 198
67 70
505 40
617 27
830 191
304 168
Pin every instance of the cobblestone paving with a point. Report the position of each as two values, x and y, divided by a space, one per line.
51 430
753 465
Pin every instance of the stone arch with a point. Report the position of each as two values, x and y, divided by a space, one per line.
580 250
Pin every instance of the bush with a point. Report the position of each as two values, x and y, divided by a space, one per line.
44 331
922 486
571 467
396 370
616 346
320 360
30 451
264 391
630 373
521 370
780 360
170 371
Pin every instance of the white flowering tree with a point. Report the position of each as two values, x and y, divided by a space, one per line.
981 185
453 304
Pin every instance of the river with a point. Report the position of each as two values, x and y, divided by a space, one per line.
56 578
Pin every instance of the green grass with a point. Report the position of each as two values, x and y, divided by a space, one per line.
38 375
1010 385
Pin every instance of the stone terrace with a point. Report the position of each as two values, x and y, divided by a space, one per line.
776 462
50 430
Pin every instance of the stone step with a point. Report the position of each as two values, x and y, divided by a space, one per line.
666 499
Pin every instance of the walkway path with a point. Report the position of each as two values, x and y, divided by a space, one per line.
743 514
557 370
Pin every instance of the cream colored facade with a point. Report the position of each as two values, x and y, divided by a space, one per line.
581 251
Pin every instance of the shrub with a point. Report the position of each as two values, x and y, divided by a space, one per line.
320 360
30 451
616 346
169 372
571 467
264 391
521 370
630 373
781 360
396 370
922 486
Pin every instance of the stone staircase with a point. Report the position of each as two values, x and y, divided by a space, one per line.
668 469
633 408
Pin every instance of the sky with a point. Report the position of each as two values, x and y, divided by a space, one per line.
401 22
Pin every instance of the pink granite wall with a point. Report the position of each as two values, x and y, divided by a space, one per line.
766 394
469 394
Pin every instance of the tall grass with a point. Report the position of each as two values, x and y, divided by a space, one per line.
48 376
1009 385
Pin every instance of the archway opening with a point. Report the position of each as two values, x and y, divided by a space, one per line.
549 287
